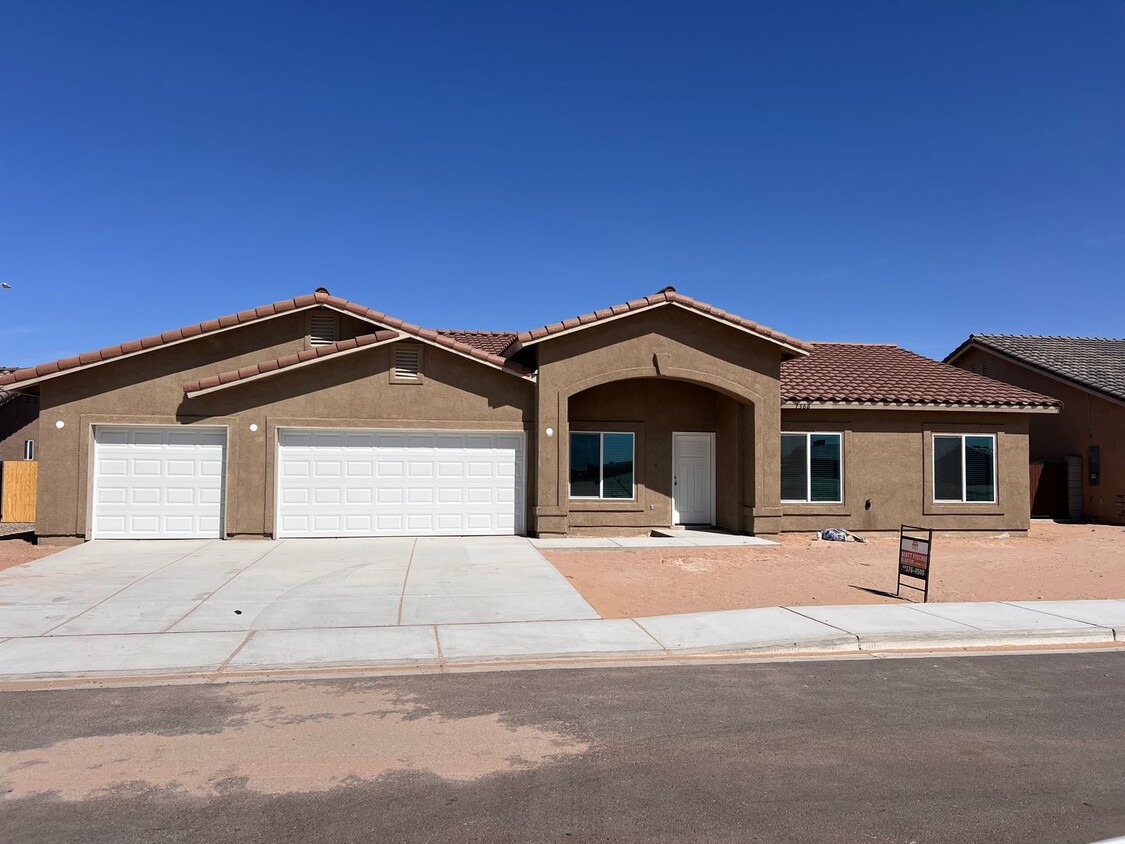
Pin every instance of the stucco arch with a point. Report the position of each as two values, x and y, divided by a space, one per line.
711 380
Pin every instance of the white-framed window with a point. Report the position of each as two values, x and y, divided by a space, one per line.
29 449
812 468
601 465
964 468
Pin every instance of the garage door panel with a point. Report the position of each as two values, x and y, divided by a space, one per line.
416 482
158 482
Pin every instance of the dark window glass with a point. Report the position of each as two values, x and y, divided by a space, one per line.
980 481
947 469
617 465
585 457
794 466
825 467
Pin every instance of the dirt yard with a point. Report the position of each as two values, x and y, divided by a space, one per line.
16 547
1054 562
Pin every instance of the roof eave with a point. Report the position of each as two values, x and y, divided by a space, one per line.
239 381
970 407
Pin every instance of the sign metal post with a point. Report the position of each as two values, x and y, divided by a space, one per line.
914 545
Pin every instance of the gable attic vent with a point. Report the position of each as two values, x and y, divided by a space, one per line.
408 363
322 328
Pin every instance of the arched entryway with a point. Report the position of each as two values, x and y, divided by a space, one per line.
641 453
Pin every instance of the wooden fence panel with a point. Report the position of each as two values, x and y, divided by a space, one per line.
19 481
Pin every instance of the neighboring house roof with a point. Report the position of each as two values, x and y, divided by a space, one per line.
667 296
1095 363
260 370
880 375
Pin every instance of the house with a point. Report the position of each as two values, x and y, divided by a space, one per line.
1078 455
19 423
320 417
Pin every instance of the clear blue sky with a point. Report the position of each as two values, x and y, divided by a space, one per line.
875 171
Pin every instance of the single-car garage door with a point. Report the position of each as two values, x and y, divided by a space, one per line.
158 482
399 483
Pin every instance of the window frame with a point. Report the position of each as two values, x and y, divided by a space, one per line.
964 473
29 449
601 466
808 435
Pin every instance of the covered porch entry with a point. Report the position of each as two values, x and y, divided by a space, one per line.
640 454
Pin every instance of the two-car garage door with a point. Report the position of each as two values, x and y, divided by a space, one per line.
399 483
169 482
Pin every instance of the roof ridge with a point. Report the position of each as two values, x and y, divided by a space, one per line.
850 343
1053 337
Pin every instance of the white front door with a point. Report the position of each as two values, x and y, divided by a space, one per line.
357 482
693 479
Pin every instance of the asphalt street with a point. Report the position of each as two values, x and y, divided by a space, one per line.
1010 748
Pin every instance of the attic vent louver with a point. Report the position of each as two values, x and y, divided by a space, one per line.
408 363
322 328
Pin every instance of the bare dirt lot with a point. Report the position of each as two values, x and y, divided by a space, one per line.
1054 562
16 547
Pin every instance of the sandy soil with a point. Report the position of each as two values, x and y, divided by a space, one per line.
1054 562
287 738
15 550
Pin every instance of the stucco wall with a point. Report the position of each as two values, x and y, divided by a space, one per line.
888 460
1085 420
668 344
353 391
653 409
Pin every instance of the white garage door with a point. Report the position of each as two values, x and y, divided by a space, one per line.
399 483
158 482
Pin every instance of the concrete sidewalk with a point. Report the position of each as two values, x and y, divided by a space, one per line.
772 630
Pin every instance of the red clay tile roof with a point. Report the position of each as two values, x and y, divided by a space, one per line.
265 367
492 342
665 297
856 372
309 300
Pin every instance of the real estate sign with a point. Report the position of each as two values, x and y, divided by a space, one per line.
914 557
914 545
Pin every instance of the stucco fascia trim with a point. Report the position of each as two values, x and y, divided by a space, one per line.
966 347
522 344
959 408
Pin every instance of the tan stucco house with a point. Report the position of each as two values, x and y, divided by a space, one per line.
1078 455
319 417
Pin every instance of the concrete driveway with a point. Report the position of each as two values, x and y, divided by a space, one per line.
209 586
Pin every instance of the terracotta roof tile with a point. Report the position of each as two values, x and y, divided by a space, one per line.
264 367
666 296
451 340
858 372
490 342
